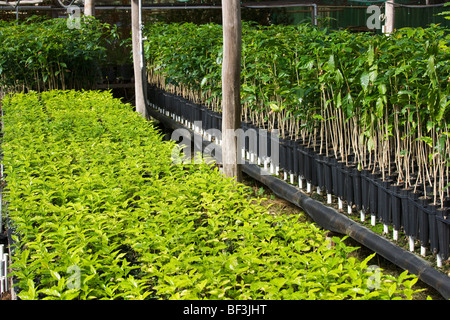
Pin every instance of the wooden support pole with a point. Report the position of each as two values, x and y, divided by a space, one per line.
390 17
231 88
138 59
89 8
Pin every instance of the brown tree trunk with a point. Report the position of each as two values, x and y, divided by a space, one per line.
138 61
231 86
89 8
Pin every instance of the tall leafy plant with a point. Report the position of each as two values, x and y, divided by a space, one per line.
379 102
41 55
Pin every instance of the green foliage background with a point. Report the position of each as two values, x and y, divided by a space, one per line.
42 54
383 100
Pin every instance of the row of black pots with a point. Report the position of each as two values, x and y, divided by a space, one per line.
389 202
392 204
187 110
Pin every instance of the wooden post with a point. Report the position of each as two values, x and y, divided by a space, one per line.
231 87
138 59
390 17
89 8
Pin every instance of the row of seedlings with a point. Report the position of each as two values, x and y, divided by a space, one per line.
300 160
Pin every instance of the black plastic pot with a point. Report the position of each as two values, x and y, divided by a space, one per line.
269 142
197 113
160 98
357 188
219 120
334 174
340 180
179 104
348 184
245 140
168 102
290 155
365 204
295 157
301 158
433 237
313 156
151 93
182 107
327 176
209 119
204 117
283 154
309 164
396 206
190 111
214 120
372 179
320 169
264 145
384 201
422 214
409 212
443 227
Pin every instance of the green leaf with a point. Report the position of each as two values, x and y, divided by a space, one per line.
379 107
55 275
30 294
348 105
392 289
370 144
331 63
370 55
338 100
365 78
431 69
427 140
204 81
373 74
339 79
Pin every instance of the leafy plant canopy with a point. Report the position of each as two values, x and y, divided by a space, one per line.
99 212
42 55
